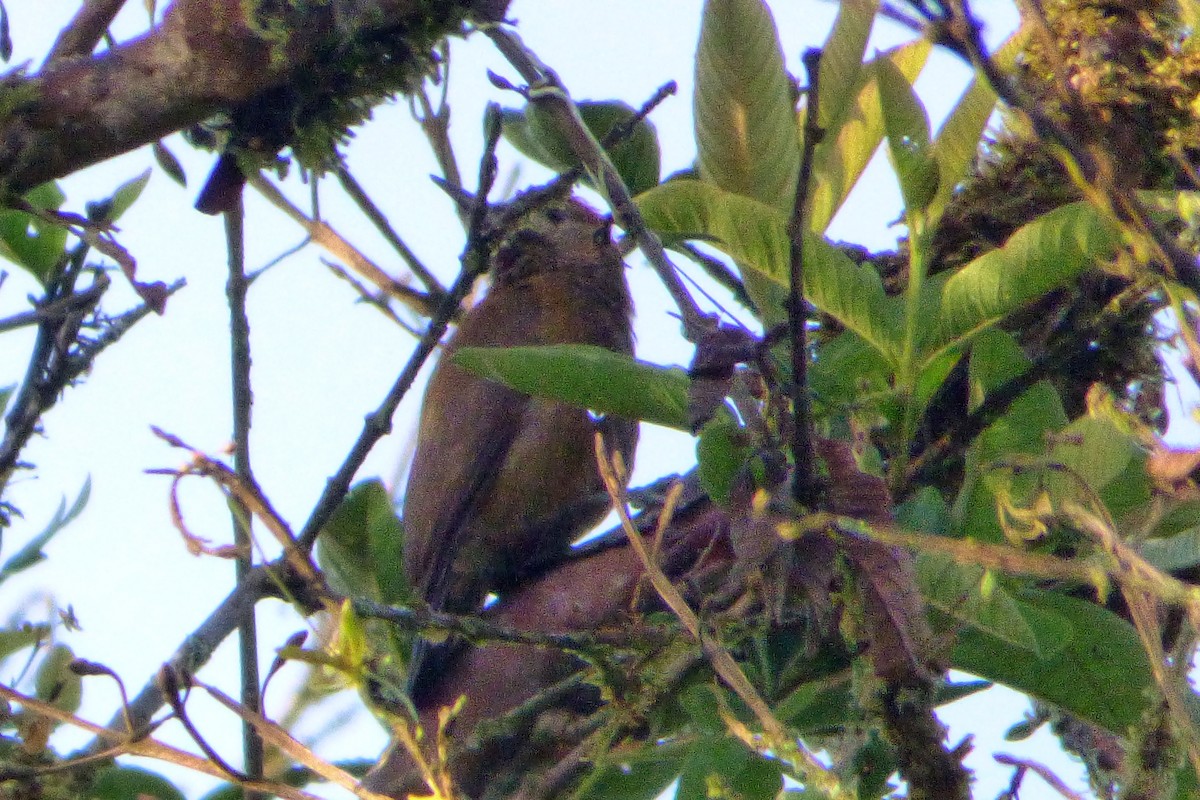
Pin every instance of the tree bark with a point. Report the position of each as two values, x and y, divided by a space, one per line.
206 56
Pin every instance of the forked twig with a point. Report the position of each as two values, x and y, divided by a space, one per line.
379 422
1042 771
811 771
281 739
122 743
325 236
547 92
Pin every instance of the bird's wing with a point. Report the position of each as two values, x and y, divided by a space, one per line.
457 460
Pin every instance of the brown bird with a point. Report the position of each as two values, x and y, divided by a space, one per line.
502 481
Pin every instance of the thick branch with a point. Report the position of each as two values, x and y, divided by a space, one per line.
206 56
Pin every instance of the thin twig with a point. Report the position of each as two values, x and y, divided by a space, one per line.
55 310
119 742
85 30
251 497
547 92
806 489
242 401
379 423
116 327
380 221
967 552
326 237
55 361
194 652
285 743
1042 771
172 693
719 271
480 629
810 770
376 301
60 356
435 124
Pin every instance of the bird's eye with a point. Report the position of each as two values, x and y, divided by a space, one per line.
555 215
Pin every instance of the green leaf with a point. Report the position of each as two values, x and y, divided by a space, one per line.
169 164
907 126
1049 252
515 128
1181 551
925 511
955 590
1023 429
841 158
30 242
847 371
1101 674
1181 518
32 553
55 683
639 775
933 374
755 236
126 195
1093 450
958 141
743 105
721 450
361 548
819 707
6 393
728 763
874 762
131 783
842 63
1187 783
22 636
995 359
951 692
697 699
636 157
587 376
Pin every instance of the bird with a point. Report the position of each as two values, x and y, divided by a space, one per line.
502 481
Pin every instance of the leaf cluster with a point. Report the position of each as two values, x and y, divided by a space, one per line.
1046 537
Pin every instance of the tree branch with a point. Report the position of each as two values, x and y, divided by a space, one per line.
207 55
85 30
547 91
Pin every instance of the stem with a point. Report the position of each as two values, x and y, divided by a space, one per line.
805 488
243 400
547 92
378 423
909 368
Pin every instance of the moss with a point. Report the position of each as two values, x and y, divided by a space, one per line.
1137 78
338 89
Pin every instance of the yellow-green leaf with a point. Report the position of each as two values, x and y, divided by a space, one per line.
744 106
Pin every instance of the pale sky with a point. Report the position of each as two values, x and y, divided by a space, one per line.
321 361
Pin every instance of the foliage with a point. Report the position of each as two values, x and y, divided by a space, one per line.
975 405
